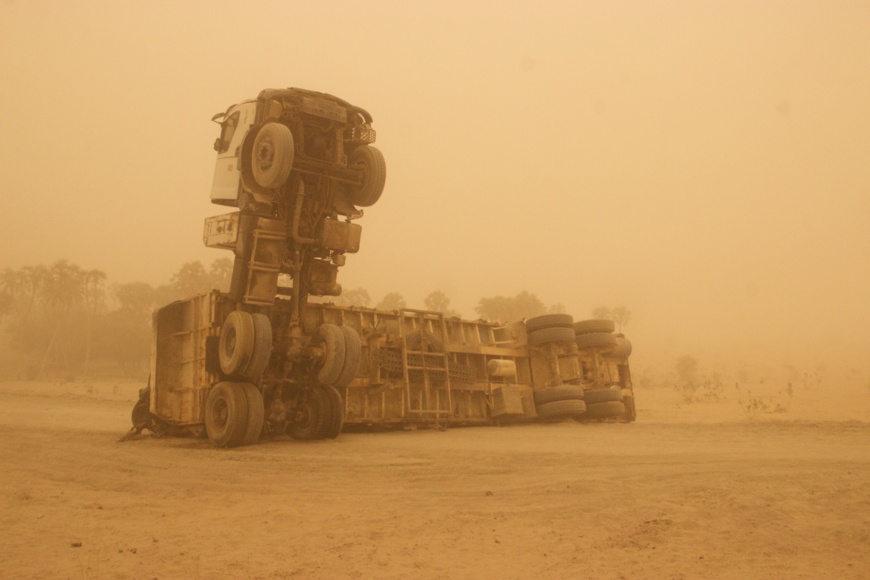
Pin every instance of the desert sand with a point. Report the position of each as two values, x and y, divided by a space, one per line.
688 491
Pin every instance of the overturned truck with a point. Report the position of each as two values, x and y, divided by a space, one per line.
265 358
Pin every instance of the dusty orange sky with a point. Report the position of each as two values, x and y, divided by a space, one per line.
704 164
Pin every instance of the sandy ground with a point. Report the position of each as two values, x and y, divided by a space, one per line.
688 491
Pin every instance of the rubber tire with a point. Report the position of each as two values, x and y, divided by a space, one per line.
336 416
547 335
603 395
352 357
262 348
594 325
561 409
331 338
605 410
256 414
371 160
549 321
596 340
272 155
559 393
236 342
622 348
316 408
226 414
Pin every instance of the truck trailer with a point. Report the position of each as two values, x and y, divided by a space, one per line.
273 356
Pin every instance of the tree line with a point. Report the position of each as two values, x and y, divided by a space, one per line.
63 320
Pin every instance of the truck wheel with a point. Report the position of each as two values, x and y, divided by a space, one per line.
256 414
559 393
561 409
226 414
622 348
352 355
236 342
604 395
555 334
336 415
330 338
599 340
311 415
371 161
262 347
605 410
549 321
272 155
594 325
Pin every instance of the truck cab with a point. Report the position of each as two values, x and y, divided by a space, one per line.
235 124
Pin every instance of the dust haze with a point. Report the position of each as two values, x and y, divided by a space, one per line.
703 164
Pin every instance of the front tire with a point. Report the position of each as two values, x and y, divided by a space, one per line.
371 161
272 155
226 415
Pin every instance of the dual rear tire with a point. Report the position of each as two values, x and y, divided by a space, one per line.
560 402
234 414
608 403
340 353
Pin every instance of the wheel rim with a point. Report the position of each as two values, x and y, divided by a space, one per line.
265 155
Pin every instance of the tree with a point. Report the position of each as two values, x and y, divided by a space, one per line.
621 316
557 308
7 303
63 288
10 285
509 309
190 280
93 293
33 278
437 301
127 329
392 301
356 297
219 274
11 281
135 297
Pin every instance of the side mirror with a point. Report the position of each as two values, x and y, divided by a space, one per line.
217 144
